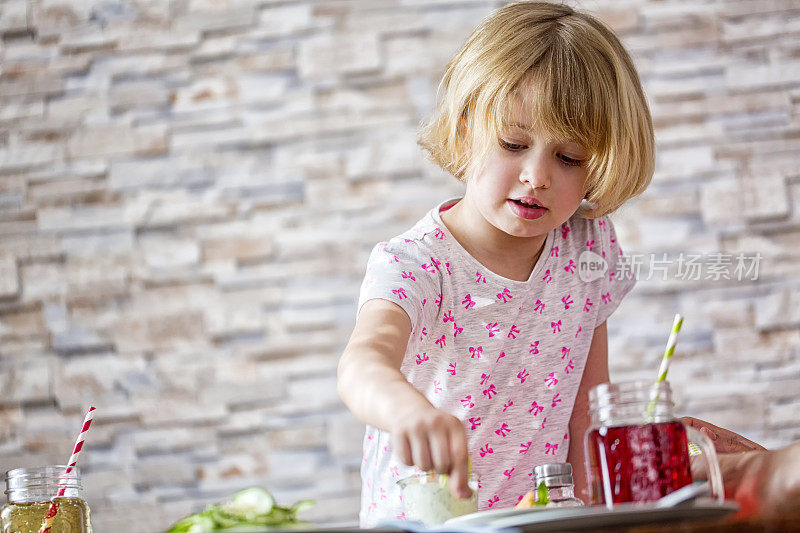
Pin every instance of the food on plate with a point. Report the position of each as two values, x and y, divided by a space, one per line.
252 509
534 499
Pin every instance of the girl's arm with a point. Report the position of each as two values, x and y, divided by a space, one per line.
373 388
595 372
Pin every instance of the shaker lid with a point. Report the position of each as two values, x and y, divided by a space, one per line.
553 474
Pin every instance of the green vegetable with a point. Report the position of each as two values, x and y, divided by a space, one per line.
541 494
251 509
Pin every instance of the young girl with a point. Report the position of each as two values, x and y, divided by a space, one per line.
481 329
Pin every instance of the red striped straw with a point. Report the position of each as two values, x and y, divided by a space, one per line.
73 459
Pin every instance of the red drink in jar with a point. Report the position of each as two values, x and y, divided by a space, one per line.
636 463
636 449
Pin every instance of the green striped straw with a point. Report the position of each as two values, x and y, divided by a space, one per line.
662 372
673 339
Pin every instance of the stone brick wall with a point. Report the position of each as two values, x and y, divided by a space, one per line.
189 190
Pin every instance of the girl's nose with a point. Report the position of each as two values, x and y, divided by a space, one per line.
535 173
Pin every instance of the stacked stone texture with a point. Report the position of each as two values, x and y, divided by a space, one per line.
189 191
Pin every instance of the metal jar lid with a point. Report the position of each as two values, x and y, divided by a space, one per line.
553 474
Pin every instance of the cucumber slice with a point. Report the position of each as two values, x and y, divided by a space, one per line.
302 505
222 518
249 503
196 523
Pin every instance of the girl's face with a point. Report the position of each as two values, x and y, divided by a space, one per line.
528 184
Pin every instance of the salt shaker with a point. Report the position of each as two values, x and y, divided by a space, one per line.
557 477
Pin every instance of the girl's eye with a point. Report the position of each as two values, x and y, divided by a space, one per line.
569 161
512 147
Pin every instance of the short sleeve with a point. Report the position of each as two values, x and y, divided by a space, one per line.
617 281
396 271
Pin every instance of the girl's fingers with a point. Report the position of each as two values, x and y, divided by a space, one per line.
459 469
420 451
440 452
402 449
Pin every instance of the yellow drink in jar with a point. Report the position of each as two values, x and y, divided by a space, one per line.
32 492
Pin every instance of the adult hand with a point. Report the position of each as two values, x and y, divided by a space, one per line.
433 439
764 483
725 441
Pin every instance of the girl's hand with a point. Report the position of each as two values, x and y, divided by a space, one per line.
434 440
725 441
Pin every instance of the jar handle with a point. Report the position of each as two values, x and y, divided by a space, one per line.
712 462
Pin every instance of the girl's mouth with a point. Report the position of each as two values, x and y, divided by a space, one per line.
527 208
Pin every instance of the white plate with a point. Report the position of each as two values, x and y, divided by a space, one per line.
594 516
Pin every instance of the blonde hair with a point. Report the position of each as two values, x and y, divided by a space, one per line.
585 89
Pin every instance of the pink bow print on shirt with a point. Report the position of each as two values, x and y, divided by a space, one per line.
467 402
539 306
452 369
513 332
486 450
503 431
565 352
508 473
556 399
590 245
551 380
468 302
493 500
456 330
400 293
570 366
550 448
485 378
441 341
606 297
408 275
547 277
439 234
567 300
588 305
505 295
493 329
535 409
489 392
480 278
508 404
564 230
570 267
523 375
475 421
554 252
421 358
534 348
448 317
556 326
524 447
475 352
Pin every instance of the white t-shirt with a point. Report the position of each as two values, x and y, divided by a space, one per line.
505 357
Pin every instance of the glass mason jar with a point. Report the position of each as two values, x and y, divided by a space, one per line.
636 449
45 495
557 477
427 498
